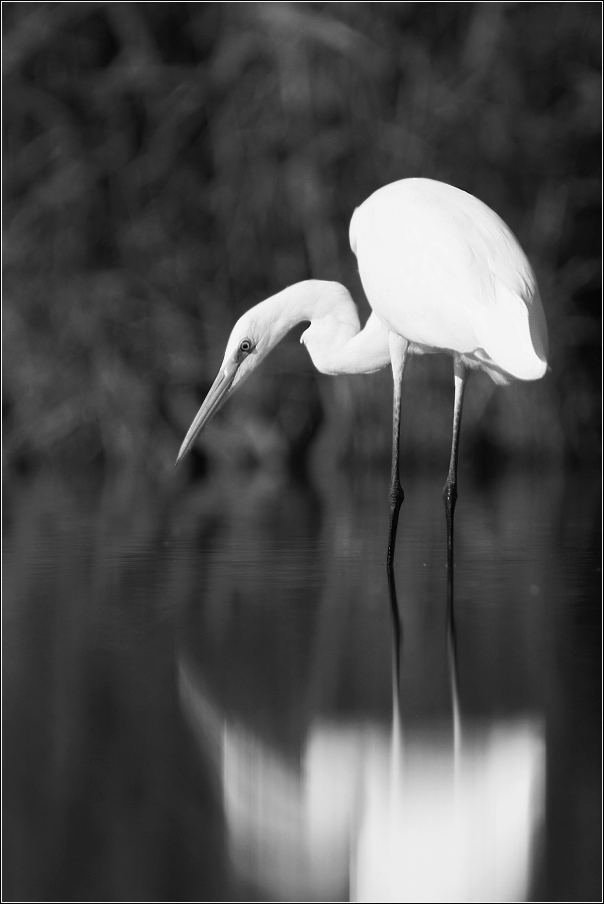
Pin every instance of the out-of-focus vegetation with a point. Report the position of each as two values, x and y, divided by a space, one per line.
166 165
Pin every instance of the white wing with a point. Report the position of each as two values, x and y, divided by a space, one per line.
444 271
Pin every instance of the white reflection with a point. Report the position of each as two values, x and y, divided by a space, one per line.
371 813
288 824
440 826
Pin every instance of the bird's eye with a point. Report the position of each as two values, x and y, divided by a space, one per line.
245 346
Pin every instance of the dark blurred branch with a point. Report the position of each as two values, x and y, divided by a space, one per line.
38 28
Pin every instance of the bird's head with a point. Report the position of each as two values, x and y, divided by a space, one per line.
251 339
264 325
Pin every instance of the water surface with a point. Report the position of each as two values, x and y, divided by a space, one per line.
200 701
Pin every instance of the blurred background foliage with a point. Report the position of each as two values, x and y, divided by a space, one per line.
167 165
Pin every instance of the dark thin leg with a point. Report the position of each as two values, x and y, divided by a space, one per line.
450 490
398 355
450 497
397 648
397 630
452 661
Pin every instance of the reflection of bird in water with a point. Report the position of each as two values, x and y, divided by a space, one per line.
372 813
442 272
324 797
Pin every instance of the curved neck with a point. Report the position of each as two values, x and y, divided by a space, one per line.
313 299
334 339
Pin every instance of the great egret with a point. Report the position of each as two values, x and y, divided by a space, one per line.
442 273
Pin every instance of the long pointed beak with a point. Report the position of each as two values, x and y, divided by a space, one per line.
212 402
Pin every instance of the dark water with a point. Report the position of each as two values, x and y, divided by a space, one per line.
199 700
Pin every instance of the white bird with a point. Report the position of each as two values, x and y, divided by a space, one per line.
442 273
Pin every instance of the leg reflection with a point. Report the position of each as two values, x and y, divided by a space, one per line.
452 660
397 629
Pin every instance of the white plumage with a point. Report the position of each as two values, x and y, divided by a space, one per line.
442 273
441 269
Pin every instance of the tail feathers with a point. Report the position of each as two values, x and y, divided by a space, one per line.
352 233
514 336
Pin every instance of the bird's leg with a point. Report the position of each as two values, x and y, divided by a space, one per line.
450 497
398 356
450 490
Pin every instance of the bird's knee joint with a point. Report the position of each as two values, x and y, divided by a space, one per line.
396 496
450 493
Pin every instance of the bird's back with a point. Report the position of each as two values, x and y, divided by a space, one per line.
444 271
